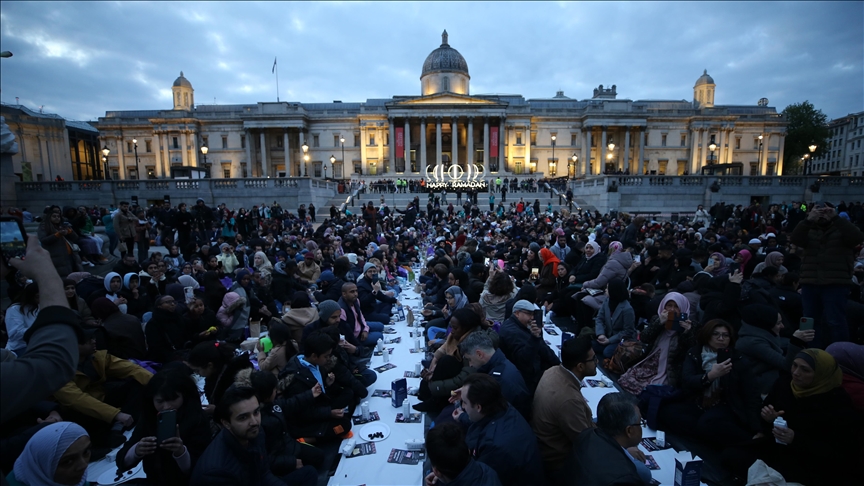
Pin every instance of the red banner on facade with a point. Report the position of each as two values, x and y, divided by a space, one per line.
400 142
493 141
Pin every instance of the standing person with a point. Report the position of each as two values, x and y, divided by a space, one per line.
108 222
142 236
828 242
312 212
55 237
701 217
491 201
124 226
203 221
184 223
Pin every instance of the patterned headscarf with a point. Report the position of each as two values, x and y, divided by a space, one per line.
615 247
38 463
458 296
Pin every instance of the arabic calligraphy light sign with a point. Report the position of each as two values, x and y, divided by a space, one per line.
455 176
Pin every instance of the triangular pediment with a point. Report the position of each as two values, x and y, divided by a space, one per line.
445 99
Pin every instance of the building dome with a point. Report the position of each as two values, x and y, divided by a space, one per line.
704 79
445 59
182 81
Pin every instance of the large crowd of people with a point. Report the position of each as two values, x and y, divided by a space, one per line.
740 329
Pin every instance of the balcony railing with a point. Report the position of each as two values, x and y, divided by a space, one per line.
707 181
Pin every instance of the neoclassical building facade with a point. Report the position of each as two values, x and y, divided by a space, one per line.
447 130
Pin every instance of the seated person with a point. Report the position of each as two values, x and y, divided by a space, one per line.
237 455
327 419
300 313
600 455
353 323
375 302
57 454
522 343
479 352
822 437
216 362
350 372
722 399
124 336
759 341
165 331
451 460
289 459
137 302
284 348
113 286
172 461
200 323
456 300
104 396
498 436
330 285
127 264
668 339
850 357
78 305
448 369
615 321
560 412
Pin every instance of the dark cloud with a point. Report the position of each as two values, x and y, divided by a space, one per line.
81 59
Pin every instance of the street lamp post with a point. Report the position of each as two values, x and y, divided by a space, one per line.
204 151
611 147
305 159
571 173
105 152
712 147
332 162
137 165
809 157
553 152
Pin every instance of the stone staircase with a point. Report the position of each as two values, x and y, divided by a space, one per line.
401 200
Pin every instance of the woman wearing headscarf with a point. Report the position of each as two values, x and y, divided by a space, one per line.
124 333
721 399
616 320
742 258
590 265
773 259
456 300
668 338
821 441
137 301
548 273
57 455
718 265
850 357
759 341
113 284
262 263
77 304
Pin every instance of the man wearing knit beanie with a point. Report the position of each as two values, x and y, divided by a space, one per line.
328 310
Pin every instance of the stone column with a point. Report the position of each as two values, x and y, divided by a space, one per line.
694 150
407 142
501 138
469 143
193 155
301 164
601 165
731 151
379 131
722 146
586 151
121 165
627 149
528 148
184 154
166 156
454 139
157 156
264 162
286 145
238 172
780 169
486 145
423 147
764 165
703 157
437 142
392 145
641 163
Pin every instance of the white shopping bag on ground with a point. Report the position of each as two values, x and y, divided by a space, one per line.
760 474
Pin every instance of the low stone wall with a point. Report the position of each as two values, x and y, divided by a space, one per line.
235 193
676 194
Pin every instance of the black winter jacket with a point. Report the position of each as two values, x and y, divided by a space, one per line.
828 257
528 353
506 443
227 462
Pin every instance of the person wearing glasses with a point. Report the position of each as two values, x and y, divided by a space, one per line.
828 242
722 398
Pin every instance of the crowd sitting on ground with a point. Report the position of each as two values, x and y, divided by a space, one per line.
712 328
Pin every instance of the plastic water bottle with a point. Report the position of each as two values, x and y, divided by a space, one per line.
779 422
380 345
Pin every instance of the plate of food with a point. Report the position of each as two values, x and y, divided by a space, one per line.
374 432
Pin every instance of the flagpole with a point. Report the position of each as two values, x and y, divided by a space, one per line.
277 80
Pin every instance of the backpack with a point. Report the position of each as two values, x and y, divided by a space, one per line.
626 355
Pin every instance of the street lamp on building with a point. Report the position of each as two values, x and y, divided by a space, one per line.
332 162
342 142
712 147
305 159
610 156
572 172
137 166
553 165
759 156
204 150
812 147
105 152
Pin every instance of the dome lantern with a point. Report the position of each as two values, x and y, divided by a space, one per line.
184 95
445 70
703 91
